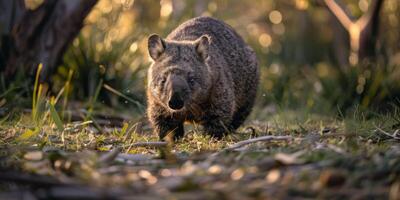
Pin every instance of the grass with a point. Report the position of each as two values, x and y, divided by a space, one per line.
343 156
335 158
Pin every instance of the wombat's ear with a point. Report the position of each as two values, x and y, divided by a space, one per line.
202 45
156 46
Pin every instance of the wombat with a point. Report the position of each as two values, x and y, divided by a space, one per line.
204 73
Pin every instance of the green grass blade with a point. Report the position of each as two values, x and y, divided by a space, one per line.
35 90
123 129
28 134
56 118
37 111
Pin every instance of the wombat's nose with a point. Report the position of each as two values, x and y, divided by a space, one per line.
176 103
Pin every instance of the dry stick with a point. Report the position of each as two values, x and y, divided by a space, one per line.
110 156
394 135
271 137
258 139
213 156
149 144
266 139
134 157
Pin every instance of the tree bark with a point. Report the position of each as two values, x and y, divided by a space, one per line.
10 15
41 35
370 26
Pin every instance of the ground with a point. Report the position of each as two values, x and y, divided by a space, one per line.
303 156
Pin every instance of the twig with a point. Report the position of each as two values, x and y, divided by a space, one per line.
339 13
346 18
258 139
134 157
110 156
149 144
213 156
394 135
361 31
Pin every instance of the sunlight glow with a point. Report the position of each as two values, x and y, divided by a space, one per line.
363 5
265 40
273 176
237 174
166 8
302 4
275 17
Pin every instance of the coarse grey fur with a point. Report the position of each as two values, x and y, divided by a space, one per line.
203 72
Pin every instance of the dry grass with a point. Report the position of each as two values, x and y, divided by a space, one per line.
330 158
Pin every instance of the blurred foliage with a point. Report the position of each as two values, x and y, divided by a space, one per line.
294 41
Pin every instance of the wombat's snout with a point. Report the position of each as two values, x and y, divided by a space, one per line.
176 102
177 92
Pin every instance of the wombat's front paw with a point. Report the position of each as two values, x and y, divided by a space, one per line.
172 132
216 130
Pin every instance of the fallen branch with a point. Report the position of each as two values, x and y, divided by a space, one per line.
110 156
258 139
393 135
134 157
149 144
267 138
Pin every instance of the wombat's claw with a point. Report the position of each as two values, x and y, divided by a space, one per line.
217 135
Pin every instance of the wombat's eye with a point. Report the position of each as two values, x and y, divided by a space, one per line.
191 81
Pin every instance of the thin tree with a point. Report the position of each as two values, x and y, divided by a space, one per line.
362 32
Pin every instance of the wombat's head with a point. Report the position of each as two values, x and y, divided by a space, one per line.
178 77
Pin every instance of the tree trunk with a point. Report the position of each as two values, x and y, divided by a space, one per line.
11 12
38 36
362 32
369 33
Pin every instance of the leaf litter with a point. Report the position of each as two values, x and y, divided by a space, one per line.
278 162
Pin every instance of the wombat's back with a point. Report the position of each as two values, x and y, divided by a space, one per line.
240 58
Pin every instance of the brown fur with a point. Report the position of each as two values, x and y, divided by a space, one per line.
203 72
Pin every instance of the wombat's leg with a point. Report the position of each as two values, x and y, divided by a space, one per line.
216 127
179 132
218 118
240 116
164 127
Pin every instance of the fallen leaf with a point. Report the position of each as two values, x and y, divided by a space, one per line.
34 155
288 159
